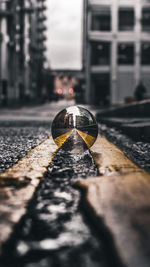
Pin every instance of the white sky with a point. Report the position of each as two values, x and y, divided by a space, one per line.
64 44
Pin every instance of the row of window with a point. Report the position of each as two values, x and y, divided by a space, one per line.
100 53
101 21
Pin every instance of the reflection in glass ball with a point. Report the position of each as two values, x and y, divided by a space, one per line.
74 128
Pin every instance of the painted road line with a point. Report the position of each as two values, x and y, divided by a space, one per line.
110 159
18 184
120 200
88 139
61 139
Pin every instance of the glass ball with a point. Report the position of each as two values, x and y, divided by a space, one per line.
74 129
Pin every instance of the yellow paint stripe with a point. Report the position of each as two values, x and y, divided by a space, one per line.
110 158
34 164
18 184
120 197
60 140
88 139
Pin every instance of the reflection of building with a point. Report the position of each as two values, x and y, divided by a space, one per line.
71 122
68 121
19 31
117 49
81 121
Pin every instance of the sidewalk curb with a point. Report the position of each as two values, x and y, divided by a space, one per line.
140 109
137 129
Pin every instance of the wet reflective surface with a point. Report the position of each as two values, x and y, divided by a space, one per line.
76 124
54 232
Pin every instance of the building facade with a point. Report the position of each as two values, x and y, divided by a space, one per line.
117 49
37 47
21 49
66 80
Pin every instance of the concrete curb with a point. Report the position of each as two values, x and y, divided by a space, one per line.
132 119
137 129
140 109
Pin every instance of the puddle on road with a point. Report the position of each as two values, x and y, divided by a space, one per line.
54 232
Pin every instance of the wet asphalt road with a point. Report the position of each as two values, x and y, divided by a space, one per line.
17 138
57 229
16 141
138 152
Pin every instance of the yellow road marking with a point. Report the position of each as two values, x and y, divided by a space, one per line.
120 198
18 184
34 164
60 140
88 139
110 158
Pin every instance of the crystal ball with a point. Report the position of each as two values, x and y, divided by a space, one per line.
74 128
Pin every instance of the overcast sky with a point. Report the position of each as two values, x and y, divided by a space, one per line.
64 44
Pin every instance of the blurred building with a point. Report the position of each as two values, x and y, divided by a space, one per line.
116 49
21 50
69 83
37 47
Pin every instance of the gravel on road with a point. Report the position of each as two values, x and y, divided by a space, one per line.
138 152
16 140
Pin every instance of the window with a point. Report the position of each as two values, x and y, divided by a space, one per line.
146 19
145 53
100 53
126 19
8 6
101 21
125 54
